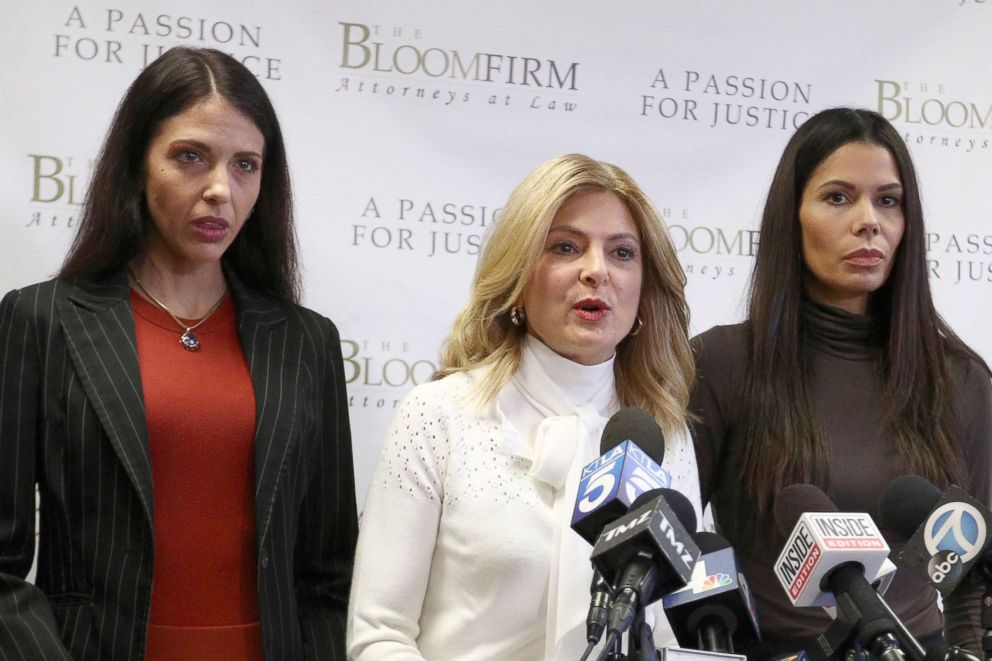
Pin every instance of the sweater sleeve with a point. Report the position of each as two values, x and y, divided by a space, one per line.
680 461
398 532
962 609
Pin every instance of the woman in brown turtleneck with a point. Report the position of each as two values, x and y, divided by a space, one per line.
844 375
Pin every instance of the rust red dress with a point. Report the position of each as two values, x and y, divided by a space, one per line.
200 409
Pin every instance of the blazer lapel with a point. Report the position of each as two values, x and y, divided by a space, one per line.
99 330
262 331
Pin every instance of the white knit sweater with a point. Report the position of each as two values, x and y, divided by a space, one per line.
455 542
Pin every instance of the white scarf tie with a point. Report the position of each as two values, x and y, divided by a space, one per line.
564 441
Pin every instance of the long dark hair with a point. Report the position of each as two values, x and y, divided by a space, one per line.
114 221
784 444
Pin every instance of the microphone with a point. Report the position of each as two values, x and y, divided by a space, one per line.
824 562
948 533
715 612
822 538
942 653
600 603
609 485
625 470
646 553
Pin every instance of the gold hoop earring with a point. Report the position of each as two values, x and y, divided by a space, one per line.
637 329
517 316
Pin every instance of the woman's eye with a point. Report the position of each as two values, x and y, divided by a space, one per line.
626 253
188 156
248 165
836 197
890 201
564 248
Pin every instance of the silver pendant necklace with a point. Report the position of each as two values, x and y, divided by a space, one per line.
188 339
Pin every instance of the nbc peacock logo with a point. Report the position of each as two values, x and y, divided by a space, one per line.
717 580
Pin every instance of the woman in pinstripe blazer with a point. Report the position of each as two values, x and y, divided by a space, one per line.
93 375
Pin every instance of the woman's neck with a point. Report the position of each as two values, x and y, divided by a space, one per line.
577 382
856 303
189 292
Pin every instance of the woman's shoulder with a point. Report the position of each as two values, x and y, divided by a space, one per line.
37 299
451 393
296 312
441 412
454 401
969 367
721 344
257 305
317 330
972 380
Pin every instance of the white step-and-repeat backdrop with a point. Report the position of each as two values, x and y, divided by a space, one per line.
408 123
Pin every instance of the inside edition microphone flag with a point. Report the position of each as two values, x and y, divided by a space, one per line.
819 541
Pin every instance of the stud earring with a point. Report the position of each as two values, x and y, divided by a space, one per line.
517 316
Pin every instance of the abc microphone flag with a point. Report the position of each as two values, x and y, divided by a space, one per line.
947 532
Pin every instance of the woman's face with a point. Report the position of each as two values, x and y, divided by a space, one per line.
852 222
583 296
203 170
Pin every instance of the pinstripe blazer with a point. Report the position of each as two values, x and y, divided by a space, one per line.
72 421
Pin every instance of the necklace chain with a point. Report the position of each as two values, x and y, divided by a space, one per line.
188 339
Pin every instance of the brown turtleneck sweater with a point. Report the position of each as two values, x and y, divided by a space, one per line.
846 388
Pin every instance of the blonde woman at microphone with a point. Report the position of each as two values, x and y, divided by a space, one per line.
844 375
576 310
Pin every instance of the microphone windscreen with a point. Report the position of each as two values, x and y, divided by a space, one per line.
794 501
681 507
679 504
709 542
635 425
906 503
645 497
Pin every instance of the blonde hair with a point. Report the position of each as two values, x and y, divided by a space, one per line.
653 369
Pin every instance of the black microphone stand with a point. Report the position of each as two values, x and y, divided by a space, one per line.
957 654
874 627
856 653
914 651
838 641
640 640
844 638
712 637
616 653
612 649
